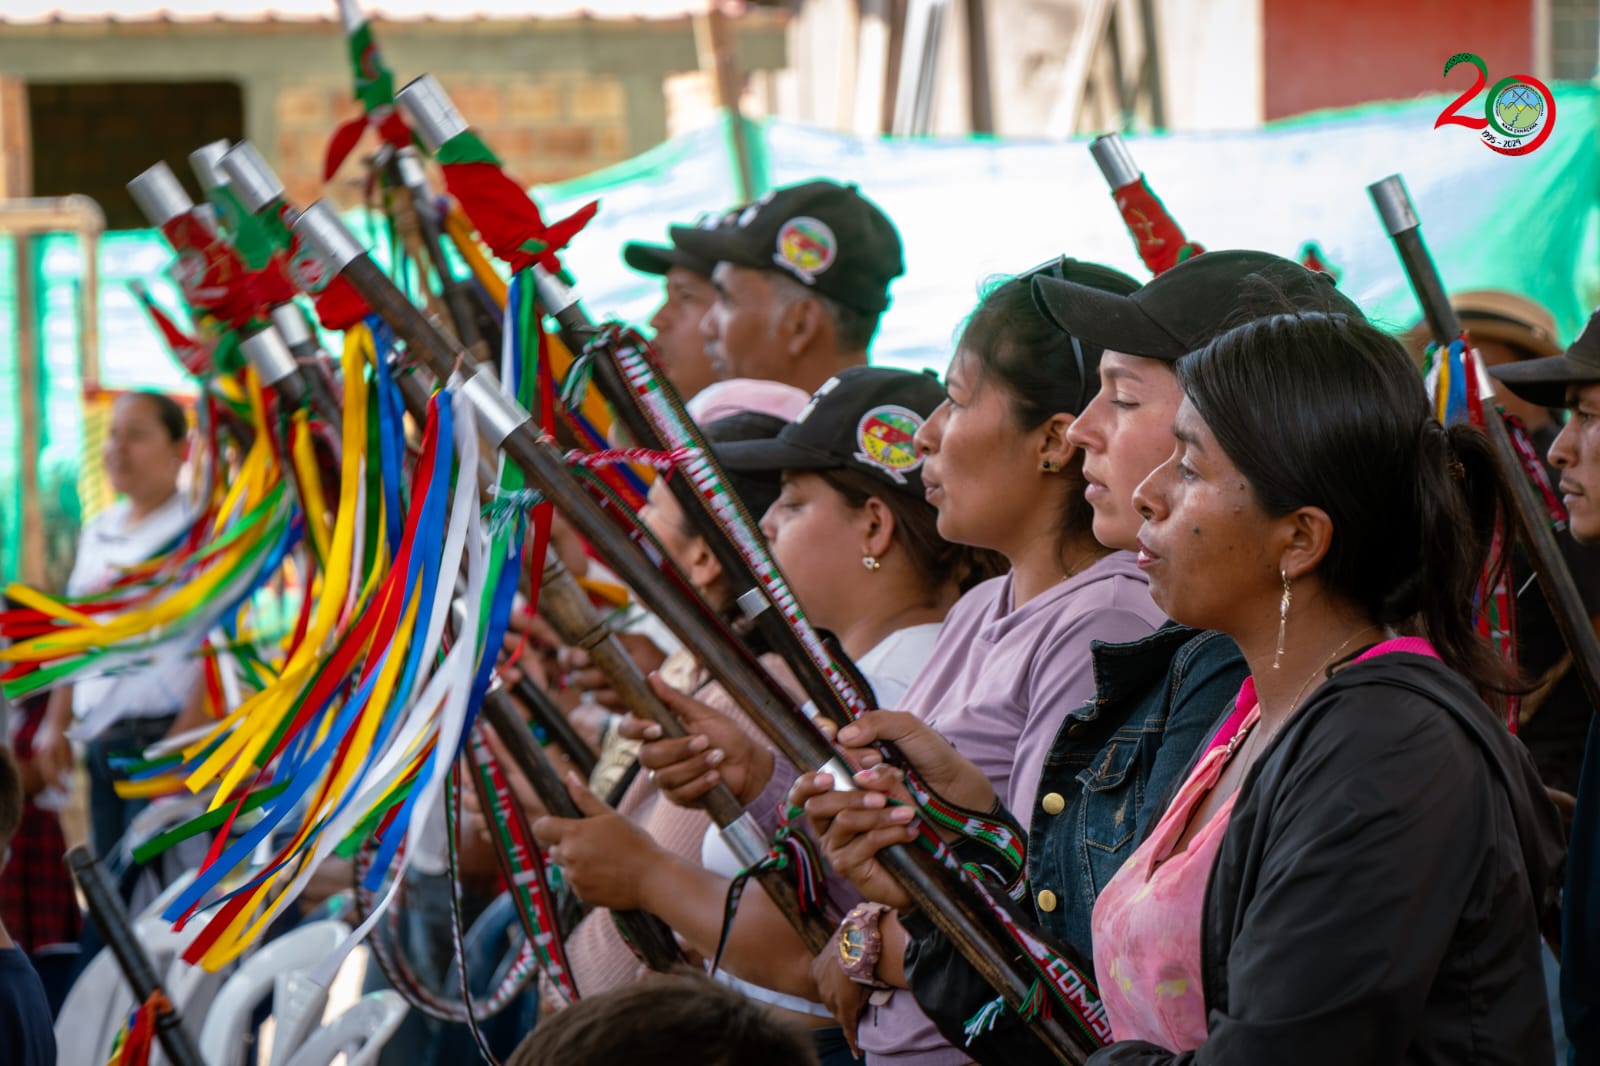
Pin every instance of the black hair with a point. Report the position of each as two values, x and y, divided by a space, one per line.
916 529
168 411
1043 370
756 492
1326 410
678 1019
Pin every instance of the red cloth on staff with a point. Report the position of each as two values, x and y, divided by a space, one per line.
1161 242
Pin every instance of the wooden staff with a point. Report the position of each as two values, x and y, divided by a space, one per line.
111 918
647 932
563 304
563 603
1555 580
973 925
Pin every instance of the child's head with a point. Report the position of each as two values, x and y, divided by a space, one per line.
679 1019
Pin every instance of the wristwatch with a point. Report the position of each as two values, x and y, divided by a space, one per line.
861 943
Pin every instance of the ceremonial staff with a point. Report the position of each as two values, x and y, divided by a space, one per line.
1555 580
1013 960
294 381
112 920
563 603
1157 234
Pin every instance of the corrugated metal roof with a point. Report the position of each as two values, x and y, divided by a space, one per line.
44 11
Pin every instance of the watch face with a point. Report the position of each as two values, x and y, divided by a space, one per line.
852 943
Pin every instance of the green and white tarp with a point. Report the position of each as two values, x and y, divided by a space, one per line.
969 210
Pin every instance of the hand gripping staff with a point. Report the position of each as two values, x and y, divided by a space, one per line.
563 603
1533 514
1053 994
1156 233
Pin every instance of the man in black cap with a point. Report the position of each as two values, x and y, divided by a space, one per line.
1572 380
676 322
802 276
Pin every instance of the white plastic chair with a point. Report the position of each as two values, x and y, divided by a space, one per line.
95 1007
360 1032
99 1000
222 1040
298 1003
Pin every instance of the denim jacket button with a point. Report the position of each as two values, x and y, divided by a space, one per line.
1053 803
1046 900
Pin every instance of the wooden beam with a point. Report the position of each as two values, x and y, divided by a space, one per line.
32 569
720 60
980 99
16 141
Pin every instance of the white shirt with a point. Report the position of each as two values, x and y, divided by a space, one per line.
890 667
111 543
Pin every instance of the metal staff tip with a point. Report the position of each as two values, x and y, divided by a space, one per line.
433 116
1394 204
159 195
252 179
322 232
269 354
1116 162
555 294
291 324
350 16
207 163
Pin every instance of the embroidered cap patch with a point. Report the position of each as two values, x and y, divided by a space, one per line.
806 247
884 437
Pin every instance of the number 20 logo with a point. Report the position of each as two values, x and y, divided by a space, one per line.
1519 111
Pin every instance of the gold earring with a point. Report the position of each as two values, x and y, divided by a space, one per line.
1050 466
1283 618
870 562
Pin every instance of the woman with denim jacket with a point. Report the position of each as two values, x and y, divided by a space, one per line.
1114 761
1012 659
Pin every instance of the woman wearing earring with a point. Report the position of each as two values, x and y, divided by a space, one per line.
1012 662
860 549
1179 675
1361 807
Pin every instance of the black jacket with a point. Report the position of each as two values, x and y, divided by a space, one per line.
1377 893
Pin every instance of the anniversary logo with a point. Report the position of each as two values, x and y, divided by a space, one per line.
1519 110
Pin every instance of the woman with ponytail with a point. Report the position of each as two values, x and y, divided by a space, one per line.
1356 866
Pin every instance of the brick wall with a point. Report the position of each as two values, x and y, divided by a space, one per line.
544 128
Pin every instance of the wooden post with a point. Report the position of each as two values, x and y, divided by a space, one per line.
16 142
720 60
32 570
980 104
16 178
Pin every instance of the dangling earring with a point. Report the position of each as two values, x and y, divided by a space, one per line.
1283 619
1050 466
870 562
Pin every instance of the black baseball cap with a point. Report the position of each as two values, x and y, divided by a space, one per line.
1183 309
824 235
1545 381
657 259
861 419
